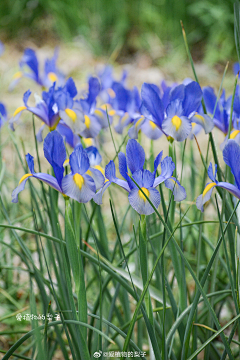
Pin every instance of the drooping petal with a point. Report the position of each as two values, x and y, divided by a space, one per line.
79 161
72 139
20 187
139 202
97 198
97 177
150 129
92 127
79 187
73 118
205 196
167 168
135 155
178 190
55 153
231 156
133 131
177 127
204 120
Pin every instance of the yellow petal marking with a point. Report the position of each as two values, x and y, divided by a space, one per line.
176 121
66 162
79 180
193 125
200 117
52 77
208 188
234 134
24 177
99 113
71 114
98 167
146 192
87 121
153 125
111 112
88 141
104 106
19 109
18 75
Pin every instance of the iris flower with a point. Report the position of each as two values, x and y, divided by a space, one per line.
94 118
133 162
53 105
175 120
231 156
29 67
77 185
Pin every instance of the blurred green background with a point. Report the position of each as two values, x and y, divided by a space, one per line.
125 26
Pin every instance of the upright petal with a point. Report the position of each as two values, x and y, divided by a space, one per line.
193 97
135 155
231 156
55 153
152 102
79 161
167 167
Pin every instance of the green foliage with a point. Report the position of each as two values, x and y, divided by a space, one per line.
124 25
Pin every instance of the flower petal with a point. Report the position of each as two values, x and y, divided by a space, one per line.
97 198
178 190
177 127
79 161
231 156
135 155
78 187
97 176
167 167
55 153
141 204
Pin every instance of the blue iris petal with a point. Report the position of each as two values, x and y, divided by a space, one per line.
178 190
55 153
122 164
94 156
71 87
147 178
177 93
167 166
193 97
72 139
201 200
98 196
18 189
231 156
30 162
30 59
94 89
97 177
110 174
152 102
83 194
26 97
141 204
178 131
79 161
210 172
135 155
157 161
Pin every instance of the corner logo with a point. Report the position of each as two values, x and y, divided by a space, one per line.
97 354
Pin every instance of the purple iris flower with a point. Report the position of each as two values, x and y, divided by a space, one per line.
29 67
231 156
133 163
78 185
176 119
